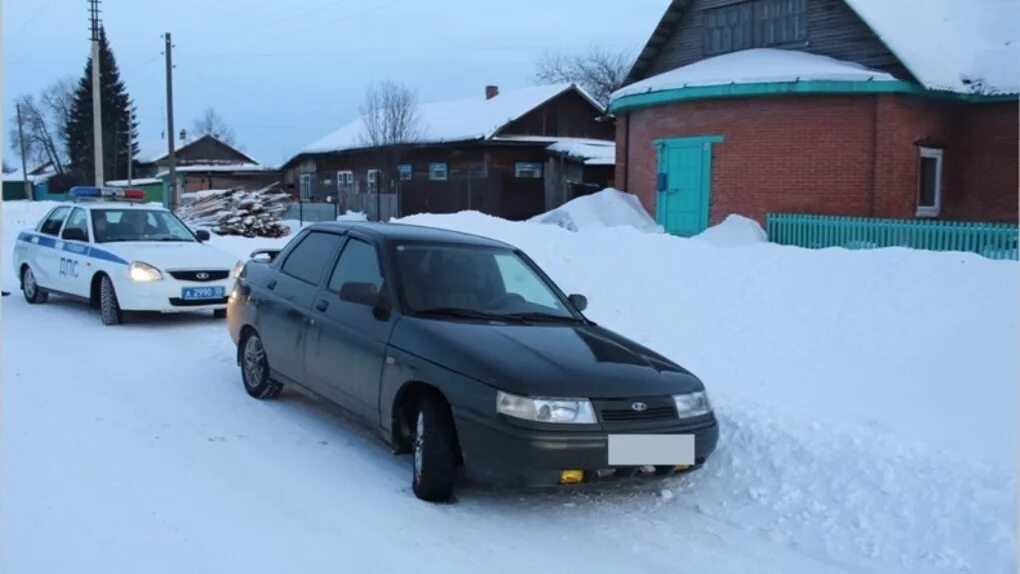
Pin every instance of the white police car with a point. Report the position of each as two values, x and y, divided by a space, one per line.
120 254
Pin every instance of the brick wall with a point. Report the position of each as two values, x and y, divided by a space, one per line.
836 155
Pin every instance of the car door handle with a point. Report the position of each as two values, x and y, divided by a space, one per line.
271 285
322 305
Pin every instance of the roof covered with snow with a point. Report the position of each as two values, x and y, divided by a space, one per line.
456 120
157 150
963 46
220 167
135 181
37 175
968 47
756 66
592 152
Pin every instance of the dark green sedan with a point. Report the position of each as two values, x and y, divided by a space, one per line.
461 351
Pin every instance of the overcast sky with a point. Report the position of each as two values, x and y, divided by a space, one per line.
285 72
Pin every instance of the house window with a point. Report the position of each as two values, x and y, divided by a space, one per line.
373 181
754 24
305 186
929 192
528 170
404 170
344 180
437 171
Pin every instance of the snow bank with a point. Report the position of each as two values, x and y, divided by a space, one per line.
607 208
353 216
734 231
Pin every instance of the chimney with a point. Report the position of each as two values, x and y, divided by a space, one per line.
184 135
491 92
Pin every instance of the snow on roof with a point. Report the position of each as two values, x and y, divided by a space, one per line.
138 181
593 152
37 175
456 120
155 150
969 47
220 167
756 66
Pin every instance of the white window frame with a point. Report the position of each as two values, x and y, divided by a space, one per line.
929 210
433 171
344 180
405 168
305 186
372 181
528 167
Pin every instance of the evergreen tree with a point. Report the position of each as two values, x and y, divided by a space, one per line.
117 134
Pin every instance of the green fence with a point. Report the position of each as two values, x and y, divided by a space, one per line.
992 240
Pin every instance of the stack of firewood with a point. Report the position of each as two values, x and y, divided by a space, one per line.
251 213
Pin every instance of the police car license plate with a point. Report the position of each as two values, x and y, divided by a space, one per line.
199 293
656 449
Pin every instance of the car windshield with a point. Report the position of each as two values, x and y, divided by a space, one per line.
111 225
476 282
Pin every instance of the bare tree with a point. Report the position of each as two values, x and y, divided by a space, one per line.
600 71
7 168
44 121
211 123
390 115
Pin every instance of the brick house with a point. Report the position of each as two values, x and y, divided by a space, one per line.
865 108
512 154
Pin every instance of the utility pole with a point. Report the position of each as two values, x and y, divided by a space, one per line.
171 155
131 141
29 192
97 104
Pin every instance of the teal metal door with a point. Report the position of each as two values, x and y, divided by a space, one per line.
685 180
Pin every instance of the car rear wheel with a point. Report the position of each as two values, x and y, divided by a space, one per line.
34 294
255 369
109 308
435 451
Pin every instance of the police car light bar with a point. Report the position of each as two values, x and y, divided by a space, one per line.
87 192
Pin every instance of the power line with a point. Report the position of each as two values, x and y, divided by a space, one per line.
31 18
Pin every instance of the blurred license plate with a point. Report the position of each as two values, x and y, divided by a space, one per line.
655 449
198 293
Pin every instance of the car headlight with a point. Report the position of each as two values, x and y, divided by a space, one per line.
692 404
546 410
238 268
140 271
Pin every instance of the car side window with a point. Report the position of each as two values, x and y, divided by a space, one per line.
309 259
53 223
78 220
359 263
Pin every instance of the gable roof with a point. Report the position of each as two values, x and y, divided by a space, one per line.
969 47
457 120
157 150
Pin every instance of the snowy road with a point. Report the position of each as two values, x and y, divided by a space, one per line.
136 449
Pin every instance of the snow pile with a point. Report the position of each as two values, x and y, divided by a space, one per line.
607 208
457 120
353 216
756 66
734 231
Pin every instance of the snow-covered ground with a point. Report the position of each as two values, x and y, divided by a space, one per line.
867 402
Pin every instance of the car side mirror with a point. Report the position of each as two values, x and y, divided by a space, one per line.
74 234
360 293
580 302
202 235
264 255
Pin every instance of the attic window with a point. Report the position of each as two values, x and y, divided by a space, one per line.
754 24
528 170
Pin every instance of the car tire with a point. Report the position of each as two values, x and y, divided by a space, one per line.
109 307
255 369
219 314
434 451
34 294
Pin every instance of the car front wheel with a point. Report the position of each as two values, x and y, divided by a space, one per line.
34 294
109 307
255 369
435 451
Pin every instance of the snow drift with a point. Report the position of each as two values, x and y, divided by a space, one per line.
734 231
607 208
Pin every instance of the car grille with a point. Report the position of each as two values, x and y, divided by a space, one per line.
178 302
194 275
622 410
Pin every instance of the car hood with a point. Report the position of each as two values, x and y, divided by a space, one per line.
172 255
553 360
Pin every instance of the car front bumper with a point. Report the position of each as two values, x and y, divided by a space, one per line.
164 296
503 454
